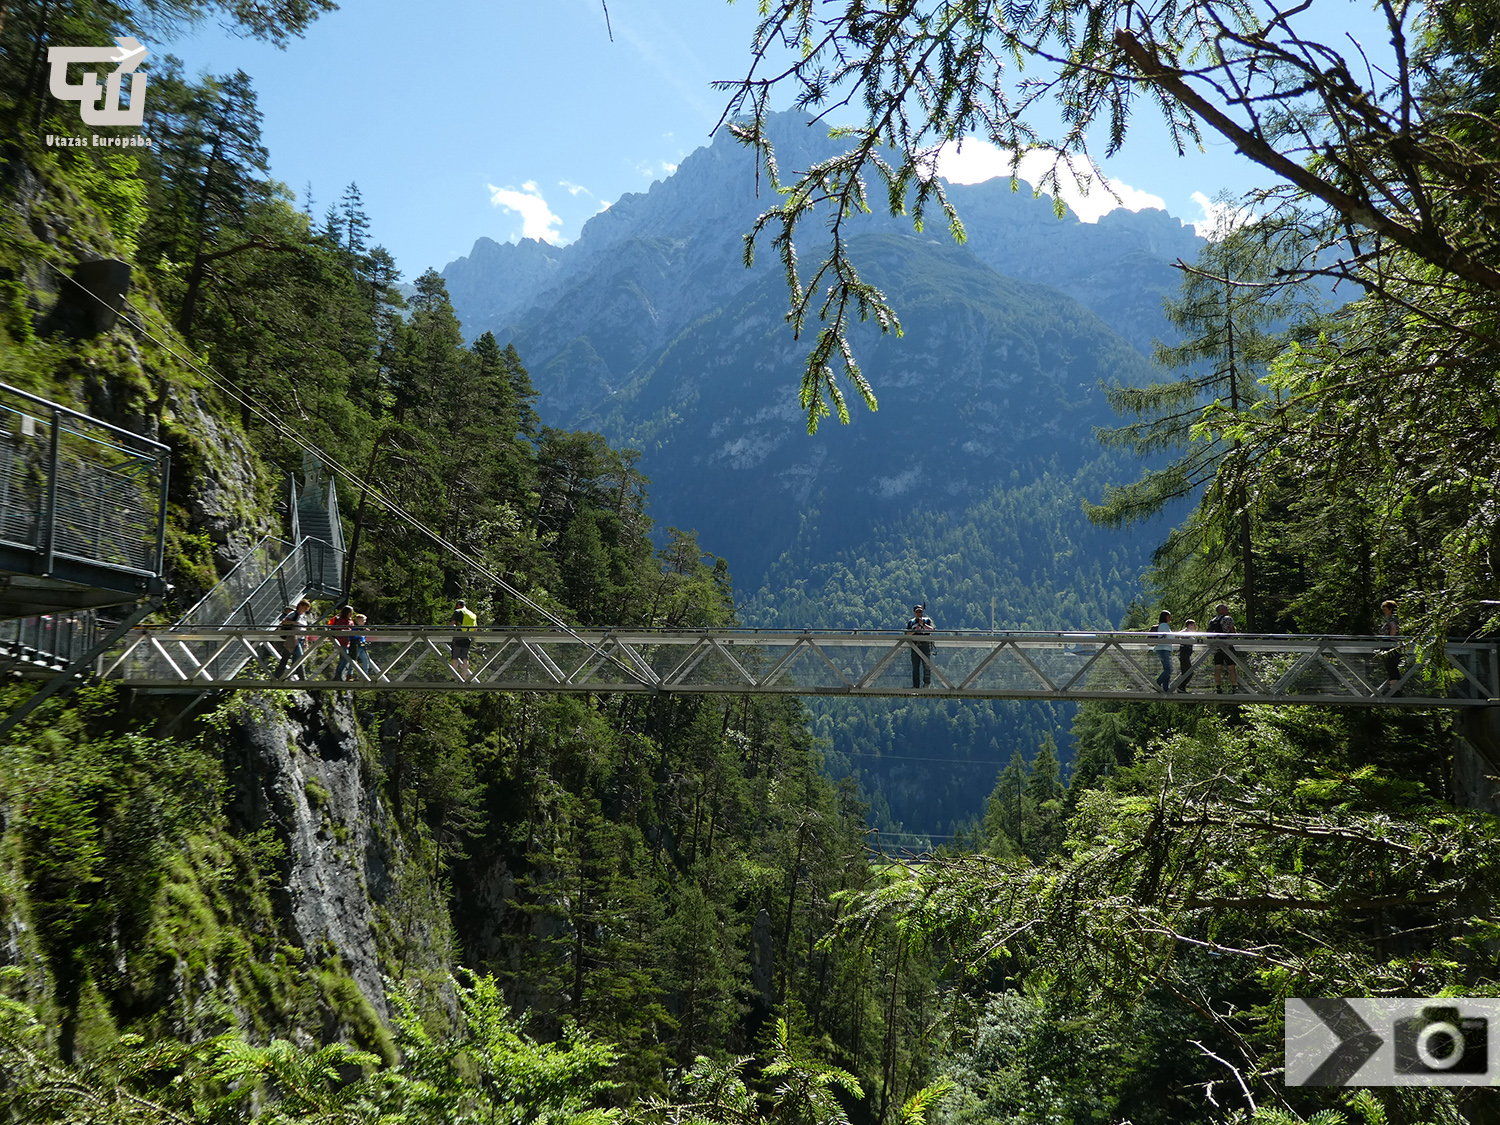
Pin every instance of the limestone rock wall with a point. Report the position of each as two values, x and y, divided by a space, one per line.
351 889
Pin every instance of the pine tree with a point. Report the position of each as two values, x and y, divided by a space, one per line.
1230 302
1044 803
211 170
1005 811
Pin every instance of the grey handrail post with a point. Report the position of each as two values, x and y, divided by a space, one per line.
165 464
49 521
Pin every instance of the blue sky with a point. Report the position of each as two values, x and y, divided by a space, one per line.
467 118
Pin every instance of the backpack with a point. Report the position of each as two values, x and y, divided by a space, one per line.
1217 625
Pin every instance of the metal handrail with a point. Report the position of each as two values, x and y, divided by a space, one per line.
127 435
66 504
1072 665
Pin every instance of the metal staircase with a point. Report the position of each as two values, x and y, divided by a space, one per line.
317 531
41 647
272 575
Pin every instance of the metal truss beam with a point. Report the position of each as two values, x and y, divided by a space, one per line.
1347 671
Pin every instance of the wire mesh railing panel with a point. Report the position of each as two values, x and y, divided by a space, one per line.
23 478
225 603
324 564
76 487
262 608
105 513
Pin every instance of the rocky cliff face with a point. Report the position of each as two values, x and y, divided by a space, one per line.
219 488
351 891
1120 267
498 282
246 874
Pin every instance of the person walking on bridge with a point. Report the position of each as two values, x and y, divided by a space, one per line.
920 625
464 620
293 645
1391 627
359 644
1185 656
1164 650
1223 654
341 624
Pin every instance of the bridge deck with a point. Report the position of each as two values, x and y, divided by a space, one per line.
1335 670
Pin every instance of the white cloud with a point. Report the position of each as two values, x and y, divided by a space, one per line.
975 161
1220 217
658 171
537 219
574 189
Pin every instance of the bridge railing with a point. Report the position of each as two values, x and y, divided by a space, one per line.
47 643
1015 665
74 489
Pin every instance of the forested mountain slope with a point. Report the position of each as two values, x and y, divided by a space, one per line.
992 381
652 331
255 907
667 912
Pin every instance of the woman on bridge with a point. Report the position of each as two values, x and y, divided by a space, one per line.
1391 627
1164 650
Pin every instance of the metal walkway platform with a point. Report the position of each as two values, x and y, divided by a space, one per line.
1347 671
82 510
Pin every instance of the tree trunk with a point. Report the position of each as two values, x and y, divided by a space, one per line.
791 902
1241 499
359 520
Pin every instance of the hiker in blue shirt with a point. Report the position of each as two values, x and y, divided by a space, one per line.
360 644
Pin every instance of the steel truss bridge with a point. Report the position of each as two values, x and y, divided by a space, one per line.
1337 670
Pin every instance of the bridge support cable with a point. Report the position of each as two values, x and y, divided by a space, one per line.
349 475
1328 670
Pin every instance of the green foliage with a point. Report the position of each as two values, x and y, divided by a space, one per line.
802 1091
652 874
489 1070
1233 310
1210 875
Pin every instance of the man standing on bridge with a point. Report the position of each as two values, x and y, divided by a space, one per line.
920 625
1223 654
1164 650
464 620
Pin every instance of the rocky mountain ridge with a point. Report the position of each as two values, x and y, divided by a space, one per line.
586 315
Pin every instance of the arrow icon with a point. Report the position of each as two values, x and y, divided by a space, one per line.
1357 1043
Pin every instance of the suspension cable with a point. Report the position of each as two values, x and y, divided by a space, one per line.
352 477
